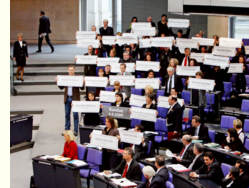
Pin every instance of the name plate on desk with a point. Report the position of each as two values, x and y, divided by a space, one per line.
104 141
229 42
201 84
116 112
131 137
137 100
213 60
107 96
109 40
224 51
95 81
103 61
141 83
124 80
199 57
147 65
187 70
84 43
86 60
115 67
86 106
71 81
162 42
85 35
235 68
204 41
178 23
143 114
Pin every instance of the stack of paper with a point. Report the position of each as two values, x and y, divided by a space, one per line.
123 182
77 163
109 175
178 167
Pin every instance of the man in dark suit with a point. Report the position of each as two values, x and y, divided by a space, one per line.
172 81
184 59
243 175
148 173
198 160
174 116
180 34
198 131
186 156
232 179
44 31
106 30
210 170
71 94
128 168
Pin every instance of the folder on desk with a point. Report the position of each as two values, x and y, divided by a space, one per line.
77 163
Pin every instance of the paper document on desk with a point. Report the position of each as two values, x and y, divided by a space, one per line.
178 167
109 175
123 182
77 163
152 159
169 153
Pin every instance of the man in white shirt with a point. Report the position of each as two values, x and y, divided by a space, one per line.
186 59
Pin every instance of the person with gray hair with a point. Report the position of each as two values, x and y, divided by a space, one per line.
70 146
172 81
186 156
148 173
106 30
126 58
198 160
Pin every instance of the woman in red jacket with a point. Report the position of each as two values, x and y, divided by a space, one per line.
70 146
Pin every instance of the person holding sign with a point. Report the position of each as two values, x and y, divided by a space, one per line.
91 119
106 30
126 58
172 81
148 125
90 70
126 89
71 94
70 146
162 26
128 168
240 78
185 59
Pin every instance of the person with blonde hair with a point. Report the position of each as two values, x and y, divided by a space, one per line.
20 55
70 146
237 124
148 90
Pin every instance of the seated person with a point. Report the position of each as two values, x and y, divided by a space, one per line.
186 156
161 175
233 141
232 178
237 124
243 175
149 125
198 131
210 170
148 173
128 168
70 146
198 160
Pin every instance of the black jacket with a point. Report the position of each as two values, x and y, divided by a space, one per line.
44 26
198 162
174 117
214 173
163 29
158 181
203 133
107 31
141 150
188 156
177 85
20 53
181 58
148 125
134 172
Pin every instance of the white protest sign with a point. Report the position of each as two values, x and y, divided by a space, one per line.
163 102
86 59
162 42
151 31
201 84
143 114
137 100
104 141
109 40
124 80
129 39
95 81
115 67
71 81
140 25
187 70
235 68
224 51
186 43
144 43
131 137
179 23
247 50
213 60
229 42
147 65
107 96
103 61
84 43
85 35
204 41
199 57
141 83
86 106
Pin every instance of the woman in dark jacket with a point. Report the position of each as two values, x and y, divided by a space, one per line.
20 55
91 119
233 141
